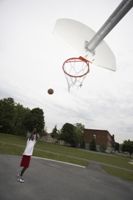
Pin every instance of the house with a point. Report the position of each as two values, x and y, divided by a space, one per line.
47 138
103 139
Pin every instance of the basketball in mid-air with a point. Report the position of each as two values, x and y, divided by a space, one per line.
50 91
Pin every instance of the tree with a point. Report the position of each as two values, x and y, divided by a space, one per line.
116 146
127 146
15 119
6 115
38 118
69 135
80 133
93 145
34 119
54 133
19 117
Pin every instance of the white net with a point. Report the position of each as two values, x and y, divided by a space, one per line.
75 70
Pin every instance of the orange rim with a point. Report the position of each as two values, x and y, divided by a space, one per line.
74 59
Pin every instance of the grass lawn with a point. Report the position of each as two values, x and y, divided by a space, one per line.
113 164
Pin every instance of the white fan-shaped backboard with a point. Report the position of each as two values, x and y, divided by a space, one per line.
76 34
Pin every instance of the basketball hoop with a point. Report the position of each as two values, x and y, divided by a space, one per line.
75 70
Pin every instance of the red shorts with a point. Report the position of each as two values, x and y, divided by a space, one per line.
25 161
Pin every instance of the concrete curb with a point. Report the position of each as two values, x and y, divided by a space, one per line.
67 163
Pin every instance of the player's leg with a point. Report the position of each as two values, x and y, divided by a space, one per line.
22 171
25 161
20 175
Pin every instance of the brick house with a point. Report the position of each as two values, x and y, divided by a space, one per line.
103 139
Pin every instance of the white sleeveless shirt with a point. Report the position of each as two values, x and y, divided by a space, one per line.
29 147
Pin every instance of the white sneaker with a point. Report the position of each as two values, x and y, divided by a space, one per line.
21 180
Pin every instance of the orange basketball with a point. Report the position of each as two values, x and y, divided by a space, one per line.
50 91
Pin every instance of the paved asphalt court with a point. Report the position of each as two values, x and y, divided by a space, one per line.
49 180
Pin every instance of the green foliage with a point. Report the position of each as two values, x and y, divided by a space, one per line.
19 117
79 128
69 135
34 119
15 119
103 148
55 133
6 115
116 146
72 134
93 145
127 146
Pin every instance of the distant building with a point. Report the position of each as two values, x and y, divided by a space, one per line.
103 139
47 138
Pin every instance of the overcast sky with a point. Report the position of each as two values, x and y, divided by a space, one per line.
31 60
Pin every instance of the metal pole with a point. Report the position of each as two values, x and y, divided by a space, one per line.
116 16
